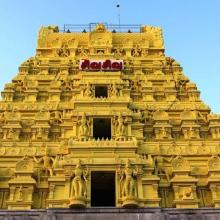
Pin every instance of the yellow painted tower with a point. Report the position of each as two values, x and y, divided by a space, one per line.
104 118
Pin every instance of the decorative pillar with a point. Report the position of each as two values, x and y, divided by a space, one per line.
214 179
22 186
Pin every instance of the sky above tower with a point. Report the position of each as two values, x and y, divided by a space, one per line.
191 32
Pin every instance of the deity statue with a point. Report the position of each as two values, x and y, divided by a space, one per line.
84 126
160 166
114 90
78 184
120 126
87 90
127 180
20 194
163 132
190 133
47 161
83 52
57 116
64 51
11 134
187 194
118 52
136 51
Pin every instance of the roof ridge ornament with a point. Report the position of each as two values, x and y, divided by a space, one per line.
100 28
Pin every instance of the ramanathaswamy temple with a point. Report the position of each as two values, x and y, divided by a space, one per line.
101 124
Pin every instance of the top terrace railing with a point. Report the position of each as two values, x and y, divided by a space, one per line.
111 27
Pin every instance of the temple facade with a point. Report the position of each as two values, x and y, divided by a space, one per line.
105 118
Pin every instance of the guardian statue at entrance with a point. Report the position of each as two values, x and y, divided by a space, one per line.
78 186
128 185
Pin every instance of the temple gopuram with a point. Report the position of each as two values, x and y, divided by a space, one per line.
104 120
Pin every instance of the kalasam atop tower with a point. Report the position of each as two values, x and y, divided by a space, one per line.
103 118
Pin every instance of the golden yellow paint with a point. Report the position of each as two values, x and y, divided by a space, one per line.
158 137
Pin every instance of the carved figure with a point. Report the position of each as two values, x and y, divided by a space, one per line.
163 132
11 134
78 186
47 162
214 162
118 52
187 194
120 126
160 166
57 116
87 90
64 51
127 180
20 194
84 126
190 133
83 52
136 51
114 90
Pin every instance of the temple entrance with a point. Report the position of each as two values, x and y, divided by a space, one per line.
102 128
102 188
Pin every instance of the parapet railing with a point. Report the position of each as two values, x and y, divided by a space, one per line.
111 27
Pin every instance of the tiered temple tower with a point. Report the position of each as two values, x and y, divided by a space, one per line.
104 118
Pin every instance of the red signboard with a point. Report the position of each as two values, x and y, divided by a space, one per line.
101 65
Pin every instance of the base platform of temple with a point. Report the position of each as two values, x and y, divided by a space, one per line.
113 214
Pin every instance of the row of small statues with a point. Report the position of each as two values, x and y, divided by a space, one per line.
120 130
118 52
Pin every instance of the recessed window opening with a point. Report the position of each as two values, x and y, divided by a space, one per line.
101 91
102 128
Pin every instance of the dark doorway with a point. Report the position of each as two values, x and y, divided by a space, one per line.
103 188
101 91
102 128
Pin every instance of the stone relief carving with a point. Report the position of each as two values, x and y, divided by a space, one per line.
78 183
128 181
47 162
160 167
180 163
84 127
214 162
120 127
64 51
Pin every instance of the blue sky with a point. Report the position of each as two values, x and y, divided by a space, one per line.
191 31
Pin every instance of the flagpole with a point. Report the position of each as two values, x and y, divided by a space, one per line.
119 16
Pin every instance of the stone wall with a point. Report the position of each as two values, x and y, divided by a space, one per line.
113 214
